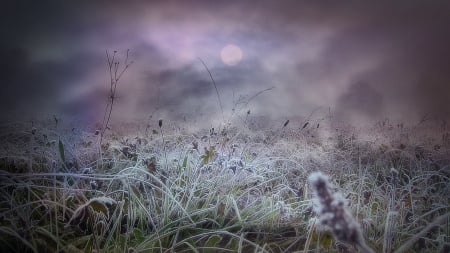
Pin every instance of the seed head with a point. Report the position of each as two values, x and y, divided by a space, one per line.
330 207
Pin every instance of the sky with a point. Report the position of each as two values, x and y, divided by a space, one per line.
360 61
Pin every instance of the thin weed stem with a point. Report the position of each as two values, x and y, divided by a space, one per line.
214 84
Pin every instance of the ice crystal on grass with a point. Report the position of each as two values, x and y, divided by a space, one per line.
84 213
331 211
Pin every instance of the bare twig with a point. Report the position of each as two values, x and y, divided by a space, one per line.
115 74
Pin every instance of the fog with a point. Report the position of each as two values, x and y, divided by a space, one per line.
360 61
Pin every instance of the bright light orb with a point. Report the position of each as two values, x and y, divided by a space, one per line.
231 55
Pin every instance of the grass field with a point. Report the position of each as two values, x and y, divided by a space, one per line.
242 187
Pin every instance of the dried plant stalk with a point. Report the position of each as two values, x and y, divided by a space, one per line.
332 213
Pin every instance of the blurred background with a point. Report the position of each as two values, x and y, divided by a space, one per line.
360 62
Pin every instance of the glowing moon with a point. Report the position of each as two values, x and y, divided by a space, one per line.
231 55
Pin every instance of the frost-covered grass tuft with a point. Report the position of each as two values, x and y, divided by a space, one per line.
240 187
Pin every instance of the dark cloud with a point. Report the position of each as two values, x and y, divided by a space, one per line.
400 50
189 90
314 53
32 87
15 75
360 100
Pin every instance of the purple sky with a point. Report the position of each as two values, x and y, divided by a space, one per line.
365 61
